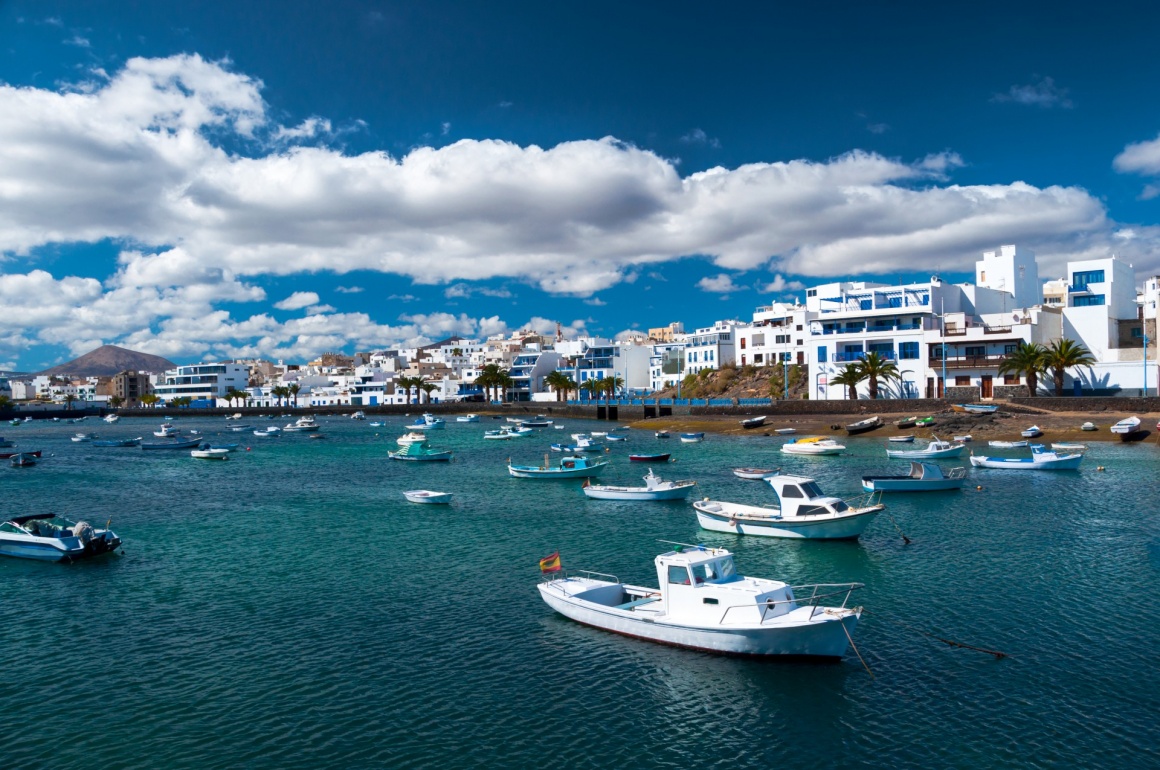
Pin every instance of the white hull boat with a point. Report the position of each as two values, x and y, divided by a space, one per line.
753 422
210 454
1088 426
234 428
268 433
1041 460
420 453
568 468
754 473
935 450
1032 432
429 422
813 446
1007 444
703 604
112 418
467 418
1127 425
901 439
49 537
411 438
428 497
499 435
964 439
1068 446
805 512
923 477
654 489
692 438
785 431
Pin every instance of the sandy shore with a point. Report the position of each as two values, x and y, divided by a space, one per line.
1056 426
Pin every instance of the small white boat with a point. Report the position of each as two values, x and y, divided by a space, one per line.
210 454
420 453
703 604
964 439
692 438
1007 444
268 432
83 437
48 537
503 434
428 422
1126 425
976 408
817 445
754 473
805 512
540 421
1032 432
377 424
304 424
411 438
1068 446
662 434
558 426
234 416
593 434
576 467
428 497
359 415
467 418
936 449
923 477
112 418
901 439
655 488
616 437
521 431
243 428
753 422
1089 426
167 431
785 431
864 426
1041 459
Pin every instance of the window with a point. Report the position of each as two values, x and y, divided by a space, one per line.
743 343
908 350
705 572
792 491
821 352
1081 279
758 340
1010 379
678 576
1089 301
781 339
811 292
962 381
1137 333
976 351
866 304
811 489
1009 349
743 359
757 358
896 302
799 327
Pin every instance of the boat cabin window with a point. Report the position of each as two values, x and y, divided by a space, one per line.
840 507
10 527
678 576
791 491
811 489
812 510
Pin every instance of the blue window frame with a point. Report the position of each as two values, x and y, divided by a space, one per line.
907 350
1089 301
866 304
1081 279
896 302
821 353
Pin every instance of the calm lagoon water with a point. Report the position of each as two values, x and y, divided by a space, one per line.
289 609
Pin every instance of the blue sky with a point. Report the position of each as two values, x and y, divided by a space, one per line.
222 179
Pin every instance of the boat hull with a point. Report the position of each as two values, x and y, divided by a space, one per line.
823 636
638 493
1066 463
530 472
811 450
661 458
846 527
924 454
908 484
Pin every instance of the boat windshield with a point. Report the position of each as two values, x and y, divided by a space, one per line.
840 507
719 571
811 489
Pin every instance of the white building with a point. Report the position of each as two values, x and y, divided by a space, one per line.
202 381
711 347
777 335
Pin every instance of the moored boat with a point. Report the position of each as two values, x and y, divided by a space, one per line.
503 434
1042 459
1007 444
119 442
693 438
964 438
10 455
23 460
804 512
112 418
48 537
467 418
428 422
976 408
1088 426
754 473
753 422
905 422
935 449
1032 432
428 497
177 444
572 467
662 434
923 422
1129 429
655 458
816 445
864 426
655 488
540 421
702 603
84 437
207 453
785 431
908 439
304 424
411 438
1068 446
923 477
420 453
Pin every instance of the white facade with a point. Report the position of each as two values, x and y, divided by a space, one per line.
202 381
711 347
1011 270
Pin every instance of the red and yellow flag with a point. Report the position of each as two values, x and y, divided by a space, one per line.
551 563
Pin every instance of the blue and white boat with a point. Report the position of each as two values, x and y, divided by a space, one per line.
703 604
693 438
467 418
1032 432
304 424
80 438
179 444
420 453
428 422
571 467
923 477
48 537
935 450
227 447
1042 459
976 408
240 428
655 488
119 442
805 512
1007 444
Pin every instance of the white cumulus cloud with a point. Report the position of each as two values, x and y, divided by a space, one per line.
719 284
298 300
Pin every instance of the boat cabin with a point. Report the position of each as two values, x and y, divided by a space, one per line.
701 584
801 496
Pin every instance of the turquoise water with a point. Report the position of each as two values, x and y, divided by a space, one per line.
288 609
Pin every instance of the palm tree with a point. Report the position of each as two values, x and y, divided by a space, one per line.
115 401
68 400
850 377
612 384
558 382
292 390
149 399
1062 355
505 382
1027 360
877 367
588 385
489 377
427 387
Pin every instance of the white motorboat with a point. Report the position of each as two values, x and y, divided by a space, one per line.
754 473
1042 459
270 432
83 437
467 418
210 454
864 426
244 428
805 512
540 421
935 450
503 434
817 445
1007 444
908 439
785 431
577 467
304 424
702 603
428 497
428 422
1088 426
234 416
964 438
615 437
411 438
1032 432
1068 446
662 434
112 418
654 488
167 431
1126 425
753 422
923 477
693 438
359 415
48 537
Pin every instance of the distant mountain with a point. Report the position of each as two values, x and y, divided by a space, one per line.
108 360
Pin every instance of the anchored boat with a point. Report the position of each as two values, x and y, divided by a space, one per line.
817 445
923 477
655 488
48 537
805 512
864 426
577 467
428 497
936 449
1042 459
753 422
420 453
702 603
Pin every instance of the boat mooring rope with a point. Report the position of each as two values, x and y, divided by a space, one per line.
949 642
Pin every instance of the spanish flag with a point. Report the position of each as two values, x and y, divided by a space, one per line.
551 563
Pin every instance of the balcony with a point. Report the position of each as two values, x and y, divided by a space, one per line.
969 362
858 355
